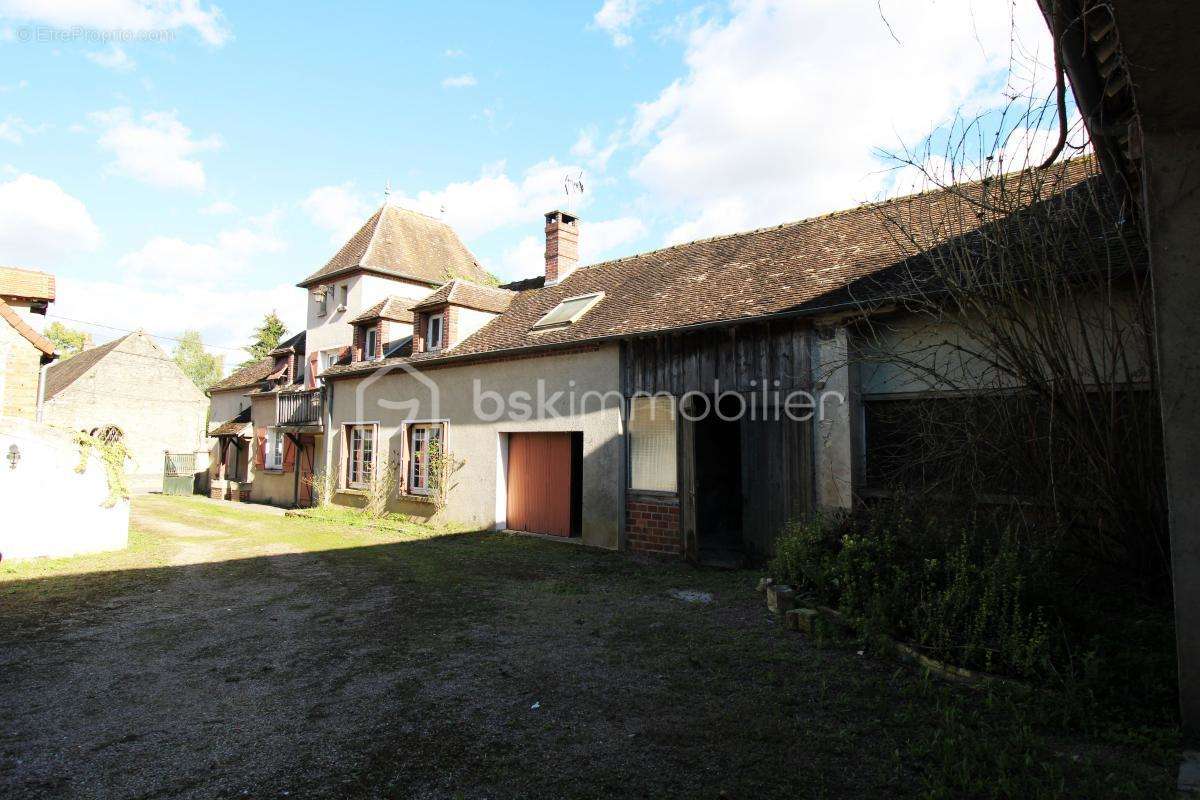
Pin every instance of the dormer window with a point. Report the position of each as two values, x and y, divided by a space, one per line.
435 329
568 311
371 344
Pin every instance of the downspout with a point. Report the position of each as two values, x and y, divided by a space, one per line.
41 395
327 413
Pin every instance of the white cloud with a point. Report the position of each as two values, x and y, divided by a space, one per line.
459 81
141 16
341 210
14 129
452 53
40 223
598 240
114 58
525 259
785 104
218 208
615 18
5 88
225 315
145 291
494 200
166 261
156 149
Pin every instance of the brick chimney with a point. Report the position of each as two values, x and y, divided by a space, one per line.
562 245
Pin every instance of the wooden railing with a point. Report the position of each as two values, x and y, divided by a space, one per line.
300 408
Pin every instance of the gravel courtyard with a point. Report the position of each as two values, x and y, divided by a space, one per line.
233 652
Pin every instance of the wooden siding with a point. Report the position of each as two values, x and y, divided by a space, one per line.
777 479
740 358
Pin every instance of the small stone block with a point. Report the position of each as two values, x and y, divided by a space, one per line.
780 598
805 620
1189 774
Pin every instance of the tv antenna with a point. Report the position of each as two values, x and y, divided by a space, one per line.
572 187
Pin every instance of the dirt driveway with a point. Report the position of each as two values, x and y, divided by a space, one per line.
235 653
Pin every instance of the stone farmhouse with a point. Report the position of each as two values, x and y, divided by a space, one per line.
590 403
132 389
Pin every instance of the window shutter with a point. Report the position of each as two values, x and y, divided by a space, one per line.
313 361
260 447
289 454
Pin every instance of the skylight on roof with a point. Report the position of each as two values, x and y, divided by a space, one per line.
568 311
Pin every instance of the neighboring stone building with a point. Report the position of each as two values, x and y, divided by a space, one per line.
130 384
24 297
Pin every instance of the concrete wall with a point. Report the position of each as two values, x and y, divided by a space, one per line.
918 353
477 491
1173 198
20 369
50 509
138 388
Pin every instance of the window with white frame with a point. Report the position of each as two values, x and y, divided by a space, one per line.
274 454
652 465
344 297
435 331
360 455
424 456
371 344
329 358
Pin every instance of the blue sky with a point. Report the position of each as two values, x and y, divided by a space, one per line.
181 164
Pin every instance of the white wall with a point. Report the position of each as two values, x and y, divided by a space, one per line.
468 321
333 331
477 486
49 508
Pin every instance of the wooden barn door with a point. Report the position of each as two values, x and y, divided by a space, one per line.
539 483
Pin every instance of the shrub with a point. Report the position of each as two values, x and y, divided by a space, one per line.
990 591
958 589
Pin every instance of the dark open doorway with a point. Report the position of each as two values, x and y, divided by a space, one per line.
719 490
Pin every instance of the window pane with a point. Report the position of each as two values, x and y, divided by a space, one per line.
652 444
565 310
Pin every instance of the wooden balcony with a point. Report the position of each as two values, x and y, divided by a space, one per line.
299 409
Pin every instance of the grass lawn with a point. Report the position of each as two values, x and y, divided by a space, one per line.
234 652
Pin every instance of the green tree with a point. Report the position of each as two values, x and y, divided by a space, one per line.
197 363
67 341
266 338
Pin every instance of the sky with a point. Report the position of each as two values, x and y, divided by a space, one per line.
181 165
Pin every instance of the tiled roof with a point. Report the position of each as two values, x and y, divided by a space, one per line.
795 267
468 295
246 377
34 338
403 244
397 309
26 283
63 373
235 426
293 344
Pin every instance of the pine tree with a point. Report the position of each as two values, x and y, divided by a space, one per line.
266 338
197 363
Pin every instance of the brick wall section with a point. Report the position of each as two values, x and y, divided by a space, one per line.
22 364
652 525
421 325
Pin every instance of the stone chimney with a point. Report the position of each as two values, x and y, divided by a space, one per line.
562 246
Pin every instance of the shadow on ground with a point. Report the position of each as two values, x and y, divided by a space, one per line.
474 665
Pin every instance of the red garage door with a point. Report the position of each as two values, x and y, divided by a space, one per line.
539 483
